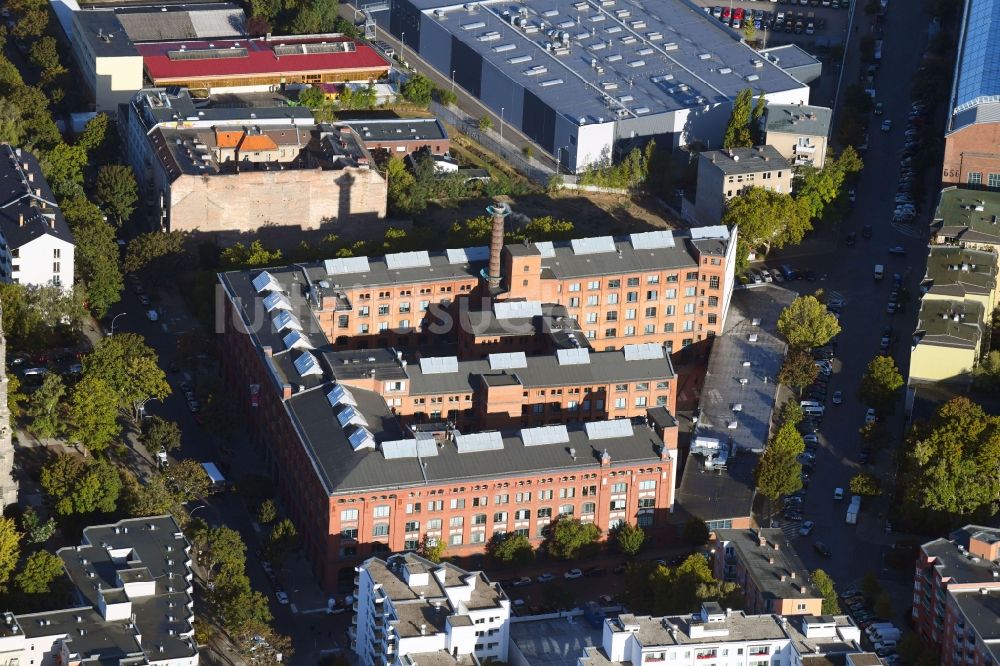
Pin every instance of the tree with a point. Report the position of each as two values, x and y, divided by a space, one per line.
63 169
35 315
447 97
791 412
10 549
158 435
240 256
40 570
870 587
312 97
187 480
865 484
986 375
219 549
11 124
883 605
95 133
35 531
629 538
44 54
400 184
822 582
239 607
806 323
267 513
151 497
737 133
127 364
778 471
766 220
284 538
81 485
96 253
44 407
159 256
432 550
417 90
816 188
116 191
749 31
485 124
880 385
684 588
798 371
569 538
511 548
93 414
696 532
31 24
952 459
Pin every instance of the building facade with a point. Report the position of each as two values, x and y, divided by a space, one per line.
36 244
768 570
402 136
800 133
410 610
724 174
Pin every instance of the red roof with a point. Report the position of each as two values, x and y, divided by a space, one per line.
259 59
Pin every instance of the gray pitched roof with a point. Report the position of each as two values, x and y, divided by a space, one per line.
25 195
736 161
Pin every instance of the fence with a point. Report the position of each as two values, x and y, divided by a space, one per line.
490 140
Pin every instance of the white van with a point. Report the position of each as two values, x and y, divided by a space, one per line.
879 271
814 410
810 403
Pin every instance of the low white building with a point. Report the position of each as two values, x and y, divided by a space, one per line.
412 611
36 244
720 637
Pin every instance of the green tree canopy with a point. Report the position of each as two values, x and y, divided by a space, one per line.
881 384
778 471
95 133
220 548
806 323
737 133
93 414
766 220
158 256
283 540
417 90
63 168
433 551
661 590
511 548
569 538
240 256
816 188
81 485
151 497
10 549
400 184
629 538
798 370
952 460
866 484
986 375
117 192
822 581
158 434
267 513
312 97
45 407
791 412
127 364
96 253
36 531
187 480
11 123
41 569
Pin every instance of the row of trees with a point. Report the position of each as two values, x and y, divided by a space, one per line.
566 539
297 17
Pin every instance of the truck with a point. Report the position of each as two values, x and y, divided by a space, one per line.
879 271
852 510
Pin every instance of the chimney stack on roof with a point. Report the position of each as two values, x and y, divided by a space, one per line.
499 211
20 219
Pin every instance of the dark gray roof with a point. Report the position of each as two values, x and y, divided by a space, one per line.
757 559
798 119
737 161
982 611
971 216
541 371
153 106
938 324
795 60
104 33
554 641
398 129
957 272
951 563
714 494
166 23
33 200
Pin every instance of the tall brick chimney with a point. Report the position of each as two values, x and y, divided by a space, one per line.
499 211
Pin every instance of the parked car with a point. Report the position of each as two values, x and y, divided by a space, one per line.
807 528
886 125
838 493
870 416
282 598
594 572
572 574
822 549
546 578
521 582
838 397
897 250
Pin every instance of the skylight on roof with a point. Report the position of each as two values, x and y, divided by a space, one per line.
401 260
508 361
361 439
346 265
350 415
652 240
579 356
285 320
595 245
266 282
307 365
277 300
409 448
296 340
467 255
555 434
645 352
517 309
439 365
339 395
611 429
478 442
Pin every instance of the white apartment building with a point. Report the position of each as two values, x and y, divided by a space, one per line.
36 244
723 637
410 610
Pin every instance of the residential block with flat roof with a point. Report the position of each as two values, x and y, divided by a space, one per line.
724 174
799 132
968 218
948 340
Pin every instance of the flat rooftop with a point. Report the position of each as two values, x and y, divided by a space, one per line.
957 272
798 119
982 611
767 575
553 641
613 58
398 129
739 161
951 563
950 323
971 216
169 105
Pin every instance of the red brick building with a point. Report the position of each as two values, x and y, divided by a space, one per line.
381 439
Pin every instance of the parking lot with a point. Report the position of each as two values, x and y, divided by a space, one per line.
787 21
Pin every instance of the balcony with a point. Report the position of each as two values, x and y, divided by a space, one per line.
809 150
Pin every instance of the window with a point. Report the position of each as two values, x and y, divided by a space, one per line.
456 521
413 508
383 326
631 297
633 282
479 519
363 311
975 178
669 293
668 328
651 295
435 505
620 403
612 299
713 282
424 305
500 517
614 284
522 514
647 503
477 537
652 279
619 488
501 499
690 291
412 526
591 317
479 501
689 308
610 332
650 312
688 326
544 494
350 533
593 284
574 302
645 520
575 286
455 540
611 316
381 511
648 484
522 498
57 252
434 524
566 493
55 266
589 491
411 544
630 313
671 310
758 650
380 529
588 507
404 307
713 319
713 301
566 510
348 515
458 504
545 512
653 657
617 505
383 309
992 181
706 653
640 401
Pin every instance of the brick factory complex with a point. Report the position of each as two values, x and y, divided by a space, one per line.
385 425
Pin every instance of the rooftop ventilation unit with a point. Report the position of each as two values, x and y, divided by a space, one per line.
517 60
725 70
504 48
704 56
670 46
550 82
752 77
637 63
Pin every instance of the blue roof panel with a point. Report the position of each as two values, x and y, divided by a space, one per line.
979 68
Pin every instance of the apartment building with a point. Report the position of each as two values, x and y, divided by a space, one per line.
133 587
412 611
768 570
723 636
36 244
948 341
801 133
378 449
724 174
956 595
956 273
967 218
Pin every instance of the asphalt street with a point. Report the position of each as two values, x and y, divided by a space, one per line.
849 271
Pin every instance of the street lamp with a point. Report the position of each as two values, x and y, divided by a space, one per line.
402 46
453 81
113 319
501 124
